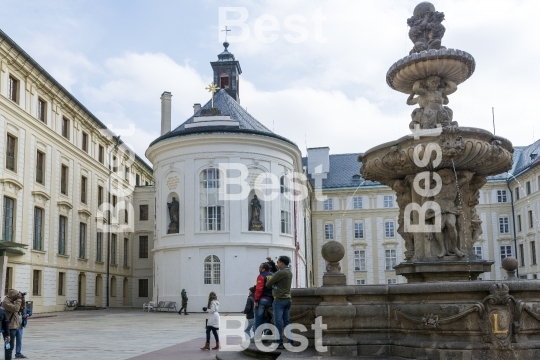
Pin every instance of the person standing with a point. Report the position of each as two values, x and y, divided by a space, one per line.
184 303
280 284
11 304
5 325
263 296
248 310
24 314
212 323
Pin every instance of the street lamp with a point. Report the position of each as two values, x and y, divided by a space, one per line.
117 142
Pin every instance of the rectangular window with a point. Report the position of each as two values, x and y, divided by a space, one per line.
126 252
40 167
506 250
519 223
143 287
501 196
36 283
82 241
114 205
61 280
83 189
391 281
143 212
11 153
329 204
126 216
329 231
360 282
99 195
388 201
137 180
13 90
528 187
42 110
212 205
8 217
517 193
213 218
114 165
143 247
359 260
113 249
9 279
357 202
84 142
391 259
389 229
358 230
521 255
38 225
65 128
64 180
531 222
503 225
477 250
62 222
101 152
126 175
533 253
99 246
285 205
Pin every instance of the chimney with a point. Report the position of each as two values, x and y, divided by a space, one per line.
196 107
318 160
165 112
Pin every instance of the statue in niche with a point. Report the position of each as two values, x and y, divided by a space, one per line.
174 216
426 28
448 200
255 223
432 96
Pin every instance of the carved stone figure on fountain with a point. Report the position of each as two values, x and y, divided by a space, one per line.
426 30
432 96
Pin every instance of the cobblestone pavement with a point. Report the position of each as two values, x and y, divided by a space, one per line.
116 334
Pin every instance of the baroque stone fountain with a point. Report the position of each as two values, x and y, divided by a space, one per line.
436 172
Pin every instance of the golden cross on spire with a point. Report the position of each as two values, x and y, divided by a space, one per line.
212 88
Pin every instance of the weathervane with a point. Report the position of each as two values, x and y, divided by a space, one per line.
212 88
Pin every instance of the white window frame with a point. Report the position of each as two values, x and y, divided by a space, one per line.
506 250
328 204
212 270
388 201
360 282
357 202
329 231
390 256
391 281
285 205
389 229
359 230
212 208
477 250
502 196
504 225
359 260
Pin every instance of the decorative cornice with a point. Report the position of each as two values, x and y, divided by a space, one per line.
11 182
39 193
66 204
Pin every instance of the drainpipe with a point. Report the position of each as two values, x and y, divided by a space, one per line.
513 221
296 242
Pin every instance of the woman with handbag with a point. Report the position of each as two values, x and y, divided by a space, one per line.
212 323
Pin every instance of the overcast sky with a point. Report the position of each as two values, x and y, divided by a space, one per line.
318 78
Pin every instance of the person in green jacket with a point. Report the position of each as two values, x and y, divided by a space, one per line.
184 303
280 284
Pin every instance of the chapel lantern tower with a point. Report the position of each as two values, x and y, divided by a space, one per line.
226 73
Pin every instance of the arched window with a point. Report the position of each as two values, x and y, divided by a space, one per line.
212 270
285 204
212 205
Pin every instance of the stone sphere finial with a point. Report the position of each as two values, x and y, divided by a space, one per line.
510 264
422 8
333 251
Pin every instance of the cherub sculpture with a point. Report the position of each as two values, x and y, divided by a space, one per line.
426 30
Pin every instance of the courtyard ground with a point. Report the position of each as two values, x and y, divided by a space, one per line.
116 334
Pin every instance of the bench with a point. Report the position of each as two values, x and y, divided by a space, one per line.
71 304
150 306
169 305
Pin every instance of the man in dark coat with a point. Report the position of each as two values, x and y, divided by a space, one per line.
184 303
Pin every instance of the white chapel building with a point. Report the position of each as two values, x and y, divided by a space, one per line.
211 246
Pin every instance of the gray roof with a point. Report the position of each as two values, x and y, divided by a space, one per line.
228 106
344 169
